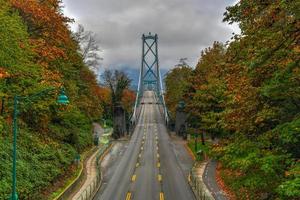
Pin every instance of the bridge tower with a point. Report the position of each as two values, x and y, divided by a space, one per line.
150 76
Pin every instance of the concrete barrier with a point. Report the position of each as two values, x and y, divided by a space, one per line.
196 181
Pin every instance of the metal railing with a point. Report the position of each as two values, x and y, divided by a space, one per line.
90 191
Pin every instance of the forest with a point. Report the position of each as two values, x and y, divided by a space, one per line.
246 93
38 51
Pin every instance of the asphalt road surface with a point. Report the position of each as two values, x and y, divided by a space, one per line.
150 168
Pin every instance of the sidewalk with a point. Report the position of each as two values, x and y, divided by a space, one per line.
91 171
209 178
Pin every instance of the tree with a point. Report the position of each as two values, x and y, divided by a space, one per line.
118 83
176 81
205 95
37 51
89 49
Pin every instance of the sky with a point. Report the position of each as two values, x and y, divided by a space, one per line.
184 28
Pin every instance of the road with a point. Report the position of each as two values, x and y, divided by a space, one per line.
150 168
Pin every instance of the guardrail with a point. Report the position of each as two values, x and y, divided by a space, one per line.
200 190
90 191
93 187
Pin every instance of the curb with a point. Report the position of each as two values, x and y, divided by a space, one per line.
90 191
190 151
98 164
197 184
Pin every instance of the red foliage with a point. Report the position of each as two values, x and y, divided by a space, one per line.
46 25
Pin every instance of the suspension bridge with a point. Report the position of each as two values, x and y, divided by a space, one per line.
149 168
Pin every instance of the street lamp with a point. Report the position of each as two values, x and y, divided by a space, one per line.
62 99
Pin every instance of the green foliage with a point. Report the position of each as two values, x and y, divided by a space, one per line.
38 164
247 94
176 83
15 54
35 56
290 189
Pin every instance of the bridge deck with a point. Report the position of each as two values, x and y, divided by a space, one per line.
149 169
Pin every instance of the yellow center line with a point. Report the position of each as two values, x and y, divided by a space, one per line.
157 155
158 164
159 177
137 164
140 155
128 196
133 178
161 196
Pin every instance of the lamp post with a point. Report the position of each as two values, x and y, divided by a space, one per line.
62 99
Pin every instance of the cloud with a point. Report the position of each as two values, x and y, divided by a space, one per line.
184 27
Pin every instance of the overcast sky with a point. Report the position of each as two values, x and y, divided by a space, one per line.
184 27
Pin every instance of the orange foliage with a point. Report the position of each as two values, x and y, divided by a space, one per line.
128 99
103 94
47 26
3 73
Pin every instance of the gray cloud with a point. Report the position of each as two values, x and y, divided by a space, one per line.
184 29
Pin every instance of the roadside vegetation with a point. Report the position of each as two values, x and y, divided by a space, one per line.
38 51
246 94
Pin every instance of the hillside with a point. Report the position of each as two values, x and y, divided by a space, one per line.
38 52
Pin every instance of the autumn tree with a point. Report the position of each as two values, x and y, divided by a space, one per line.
176 81
37 51
118 83
205 95
262 66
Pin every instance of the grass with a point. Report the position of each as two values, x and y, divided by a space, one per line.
70 180
200 147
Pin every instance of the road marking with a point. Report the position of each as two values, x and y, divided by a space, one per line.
133 178
137 164
142 148
156 138
140 155
128 196
157 148
157 155
159 177
161 196
158 164
189 178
